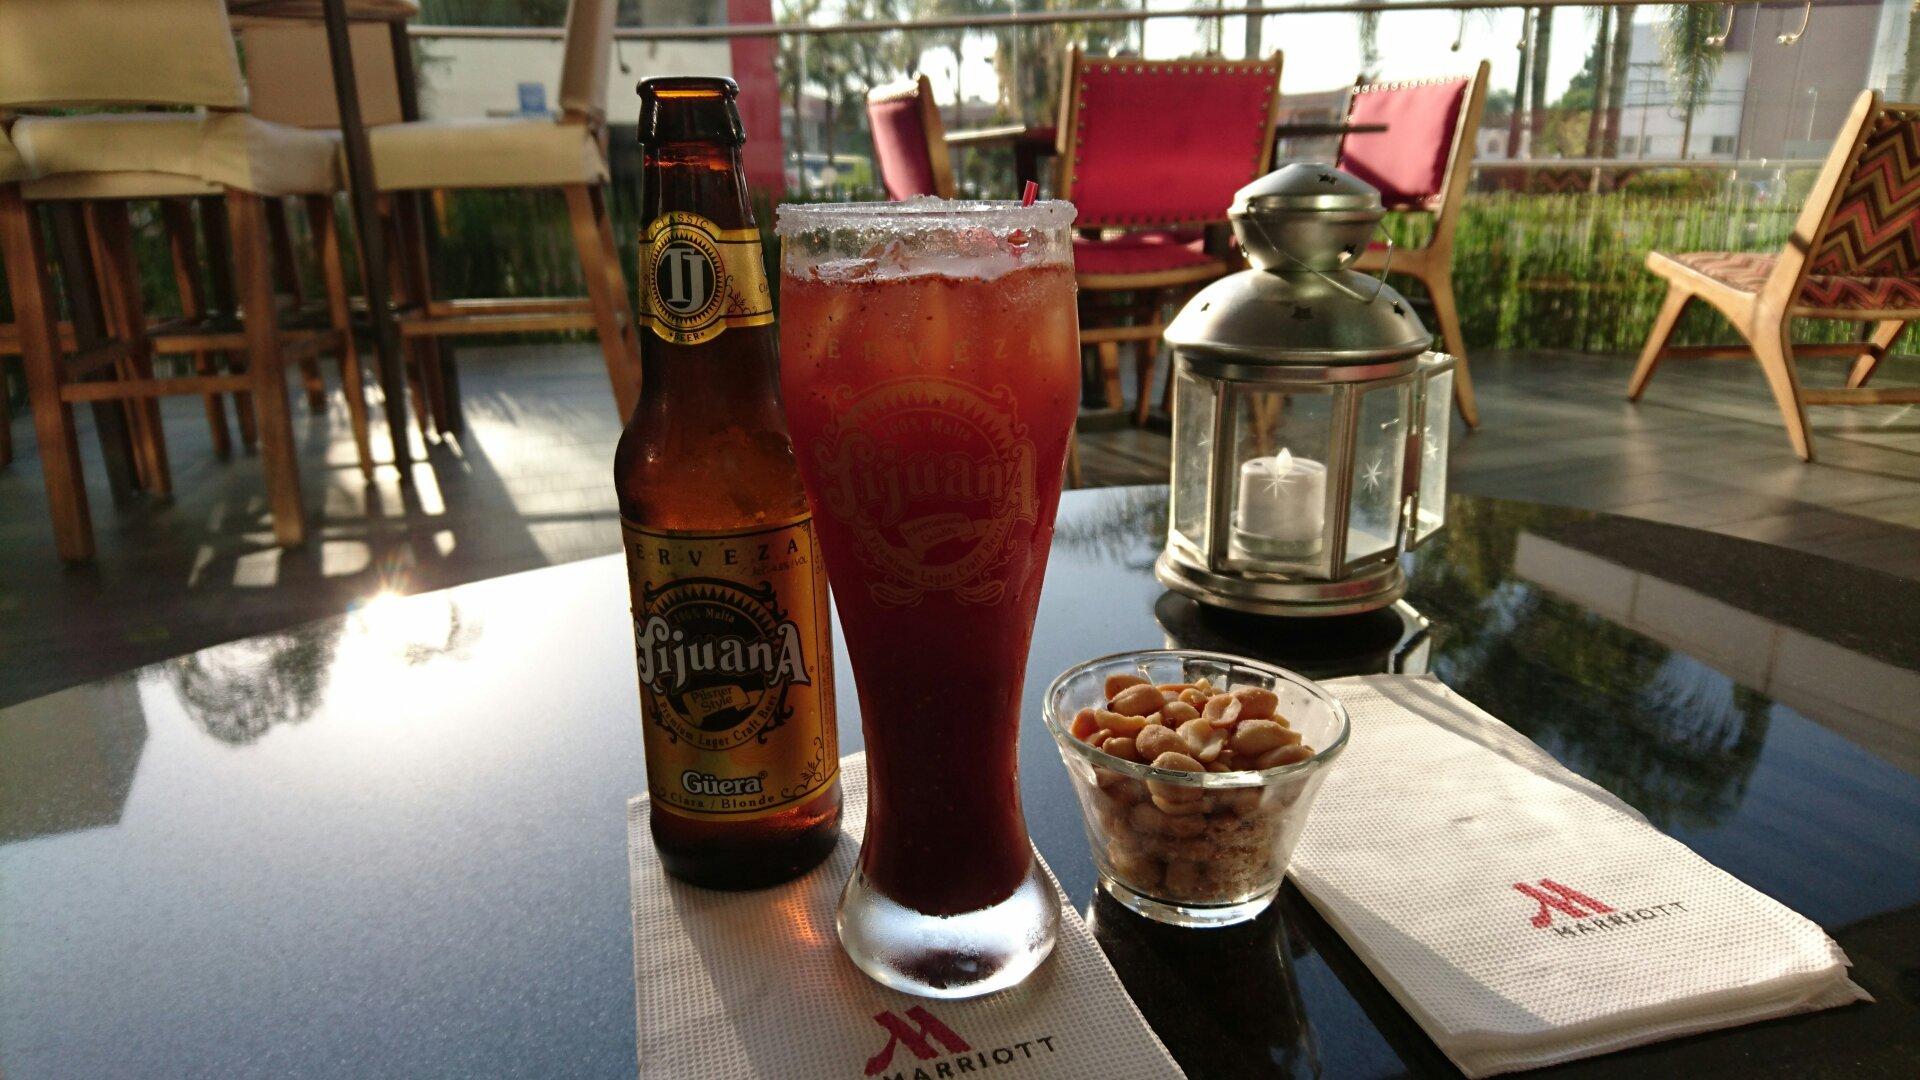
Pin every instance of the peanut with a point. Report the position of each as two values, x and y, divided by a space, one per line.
1173 688
1172 806
1195 734
1241 800
1174 761
1117 683
1221 710
1186 879
1138 699
1256 737
1194 696
1156 739
1121 746
1165 792
1257 702
1283 755
1147 818
1211 751
1120 723
1084 724
1178 712
1135 867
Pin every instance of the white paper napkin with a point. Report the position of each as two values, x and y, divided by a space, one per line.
1521 914
754 984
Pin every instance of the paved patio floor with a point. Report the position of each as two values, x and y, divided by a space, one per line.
529 487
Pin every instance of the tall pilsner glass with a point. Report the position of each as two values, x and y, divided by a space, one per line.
930 374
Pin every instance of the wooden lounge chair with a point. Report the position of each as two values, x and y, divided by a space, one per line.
1854 255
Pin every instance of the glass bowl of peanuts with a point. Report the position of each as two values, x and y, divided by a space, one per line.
1195 772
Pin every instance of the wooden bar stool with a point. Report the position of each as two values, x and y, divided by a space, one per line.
566 153
88 53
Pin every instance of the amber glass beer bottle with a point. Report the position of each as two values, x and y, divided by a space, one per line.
730 613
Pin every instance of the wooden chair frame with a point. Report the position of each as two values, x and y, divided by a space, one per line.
920 90
1153 291
1432 263
1765 317
606 310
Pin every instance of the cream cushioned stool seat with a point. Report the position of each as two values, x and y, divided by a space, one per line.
465 154
150 155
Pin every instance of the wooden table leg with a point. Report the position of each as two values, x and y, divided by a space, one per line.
353 132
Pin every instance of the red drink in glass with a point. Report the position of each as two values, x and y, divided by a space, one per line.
931 392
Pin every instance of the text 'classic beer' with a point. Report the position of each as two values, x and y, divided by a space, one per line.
730 615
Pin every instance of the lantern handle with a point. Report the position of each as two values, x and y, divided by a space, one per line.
1380 283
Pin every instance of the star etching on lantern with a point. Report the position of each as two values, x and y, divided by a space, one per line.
1374 473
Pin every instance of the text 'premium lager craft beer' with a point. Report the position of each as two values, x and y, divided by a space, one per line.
730 614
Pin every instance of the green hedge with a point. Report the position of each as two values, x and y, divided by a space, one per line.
1545 271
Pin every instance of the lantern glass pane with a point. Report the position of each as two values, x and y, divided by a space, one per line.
1279 496
1379 457
1433 456
1192 457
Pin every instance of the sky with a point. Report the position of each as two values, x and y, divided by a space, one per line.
1323 51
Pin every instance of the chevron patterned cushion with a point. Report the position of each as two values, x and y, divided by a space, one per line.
1748 270
1875 228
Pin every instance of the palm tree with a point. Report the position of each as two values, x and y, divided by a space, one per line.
1542 51
1602 71
1692 61
1521 83
1369 43
1616 97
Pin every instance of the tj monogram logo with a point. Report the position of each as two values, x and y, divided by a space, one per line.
919 1039
1554 896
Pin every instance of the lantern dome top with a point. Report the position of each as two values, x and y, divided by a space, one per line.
1306 185
1301 226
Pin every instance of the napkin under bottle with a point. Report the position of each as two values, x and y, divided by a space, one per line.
755 984
1522 914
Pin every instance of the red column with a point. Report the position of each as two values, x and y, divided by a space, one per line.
765 157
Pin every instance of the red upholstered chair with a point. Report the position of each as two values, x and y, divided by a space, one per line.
1151 152
1854 256
909 140
1420 164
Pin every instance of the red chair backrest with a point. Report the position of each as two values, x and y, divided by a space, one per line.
1407 162
902 145
1159 142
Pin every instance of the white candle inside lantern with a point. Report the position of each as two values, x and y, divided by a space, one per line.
1281 510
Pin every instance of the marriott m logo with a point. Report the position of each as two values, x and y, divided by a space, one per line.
1554 896
917 1032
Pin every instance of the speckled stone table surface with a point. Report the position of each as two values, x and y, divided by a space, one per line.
392 843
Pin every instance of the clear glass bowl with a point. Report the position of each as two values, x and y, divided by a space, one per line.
1219 864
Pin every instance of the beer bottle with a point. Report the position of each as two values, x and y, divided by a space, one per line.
730 613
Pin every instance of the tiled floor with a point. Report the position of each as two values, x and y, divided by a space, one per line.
530 487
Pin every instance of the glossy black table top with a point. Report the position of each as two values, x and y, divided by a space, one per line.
393 843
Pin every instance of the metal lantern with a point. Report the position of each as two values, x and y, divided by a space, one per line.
1310 417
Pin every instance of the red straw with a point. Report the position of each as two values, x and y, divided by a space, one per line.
1029 193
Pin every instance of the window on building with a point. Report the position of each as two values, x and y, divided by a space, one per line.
1629 144
1722 144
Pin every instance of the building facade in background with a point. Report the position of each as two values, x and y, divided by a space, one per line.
1769 100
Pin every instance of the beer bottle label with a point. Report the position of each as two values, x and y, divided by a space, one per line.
697 279
736 674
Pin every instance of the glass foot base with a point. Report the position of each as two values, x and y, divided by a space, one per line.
1194 915
949 956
